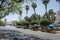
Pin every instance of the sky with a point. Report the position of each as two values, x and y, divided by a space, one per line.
39 10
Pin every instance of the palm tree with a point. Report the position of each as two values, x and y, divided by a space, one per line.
34 5
51 15
27 8
45 2
59 3
45 15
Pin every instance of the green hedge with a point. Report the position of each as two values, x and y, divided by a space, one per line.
45 22
57 25
1 23
34 22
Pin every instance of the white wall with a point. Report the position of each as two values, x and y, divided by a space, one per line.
58 17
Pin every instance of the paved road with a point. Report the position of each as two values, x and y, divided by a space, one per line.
37 34
42 34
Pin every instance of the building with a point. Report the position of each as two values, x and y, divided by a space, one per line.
58 17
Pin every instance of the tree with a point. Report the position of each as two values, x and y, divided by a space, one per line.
25 24
13 6
26 18
6 1
1 23
46 15
18 1
50 15
35 17
18 23
3 12
34 5
27 8
44 22
45 2
34 22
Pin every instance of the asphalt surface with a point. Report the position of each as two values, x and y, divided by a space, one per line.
42 35
26 34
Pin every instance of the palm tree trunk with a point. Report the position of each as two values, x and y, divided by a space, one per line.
46 9
34 11
26 12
